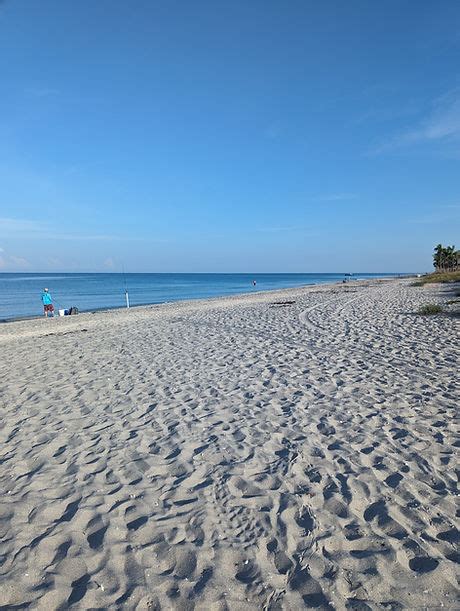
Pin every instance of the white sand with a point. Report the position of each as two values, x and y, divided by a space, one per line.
232 454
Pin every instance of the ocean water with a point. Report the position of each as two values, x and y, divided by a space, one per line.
20 293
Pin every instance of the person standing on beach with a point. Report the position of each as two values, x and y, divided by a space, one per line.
47 303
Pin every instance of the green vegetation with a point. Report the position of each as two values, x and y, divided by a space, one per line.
430 308
438 277
446 258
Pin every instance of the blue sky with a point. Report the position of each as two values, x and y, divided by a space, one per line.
256 136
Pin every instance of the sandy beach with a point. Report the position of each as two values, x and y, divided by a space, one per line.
284 450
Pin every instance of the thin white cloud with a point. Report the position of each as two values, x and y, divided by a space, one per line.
109 263
42 92
336 197
290 229
33 229
442 214
19 261
427 220
273 131
385 114
13 262
54 262
91 238
276 229
441 125
10 225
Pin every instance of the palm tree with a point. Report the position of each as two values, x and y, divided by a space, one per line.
450 256
437 257
445 258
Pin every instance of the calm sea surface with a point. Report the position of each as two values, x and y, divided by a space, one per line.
20 293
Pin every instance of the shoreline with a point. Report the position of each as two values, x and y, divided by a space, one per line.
201 299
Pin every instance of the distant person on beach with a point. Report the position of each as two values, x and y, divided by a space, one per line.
254 283
47 301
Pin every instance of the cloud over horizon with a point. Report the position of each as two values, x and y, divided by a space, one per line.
33 229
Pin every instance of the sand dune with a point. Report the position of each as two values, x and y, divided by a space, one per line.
238 453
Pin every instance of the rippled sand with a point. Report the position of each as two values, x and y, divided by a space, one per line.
233 454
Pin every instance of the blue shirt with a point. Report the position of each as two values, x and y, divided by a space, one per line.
46 298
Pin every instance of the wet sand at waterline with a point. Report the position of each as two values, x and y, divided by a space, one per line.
279 450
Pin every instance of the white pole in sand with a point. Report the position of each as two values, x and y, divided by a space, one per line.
126 286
